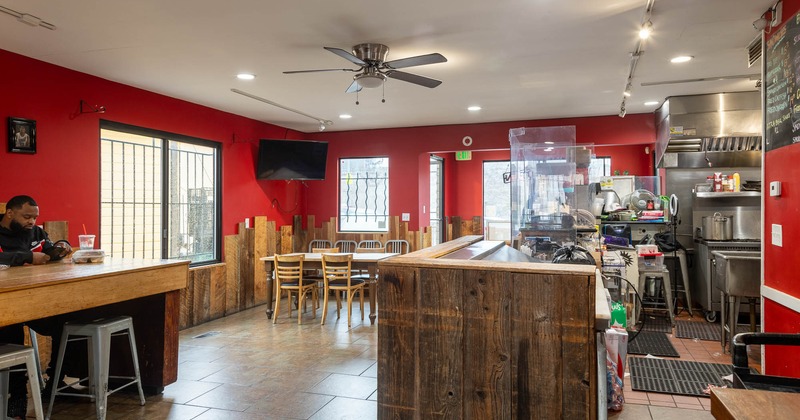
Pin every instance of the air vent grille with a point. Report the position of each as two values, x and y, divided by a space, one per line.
731 144
754 51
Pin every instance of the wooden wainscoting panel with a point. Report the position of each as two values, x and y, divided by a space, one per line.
58 230
246 263
260 249
232 274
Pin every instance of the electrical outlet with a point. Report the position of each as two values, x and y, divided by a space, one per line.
405 217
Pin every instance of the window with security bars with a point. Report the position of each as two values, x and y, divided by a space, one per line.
159 195
364 194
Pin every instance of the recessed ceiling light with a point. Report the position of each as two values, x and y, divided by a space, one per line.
246 76
345 116
650 103
549 142
681 59
474 108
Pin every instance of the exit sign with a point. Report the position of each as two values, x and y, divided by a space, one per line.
464 155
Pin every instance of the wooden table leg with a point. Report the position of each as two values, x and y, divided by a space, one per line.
373 292
270 287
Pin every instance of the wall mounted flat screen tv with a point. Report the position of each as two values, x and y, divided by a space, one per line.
291 159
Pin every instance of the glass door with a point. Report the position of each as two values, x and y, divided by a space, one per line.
496 200
437 199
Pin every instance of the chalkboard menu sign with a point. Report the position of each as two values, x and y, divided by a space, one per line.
782 84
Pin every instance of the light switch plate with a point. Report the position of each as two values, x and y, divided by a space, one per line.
777 235
406 217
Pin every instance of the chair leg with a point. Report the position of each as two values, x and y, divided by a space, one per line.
101 345
4 378
301 300
57 377
33 370
361 295
277 306
135 359
325 306
350 295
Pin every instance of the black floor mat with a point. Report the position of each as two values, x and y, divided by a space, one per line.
655 343
676 376
702 330
657 324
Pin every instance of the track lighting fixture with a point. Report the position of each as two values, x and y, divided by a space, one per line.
323 123
647 29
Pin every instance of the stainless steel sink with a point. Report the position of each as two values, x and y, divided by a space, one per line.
738 273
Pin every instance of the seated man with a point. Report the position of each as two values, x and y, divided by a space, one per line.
22 242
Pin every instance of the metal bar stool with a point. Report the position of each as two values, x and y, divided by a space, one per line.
98 333
663 274
13 355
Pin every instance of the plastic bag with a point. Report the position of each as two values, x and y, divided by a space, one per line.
573 254
666 242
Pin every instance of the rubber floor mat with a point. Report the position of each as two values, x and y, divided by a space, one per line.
702 330
657 324
655 343
676 376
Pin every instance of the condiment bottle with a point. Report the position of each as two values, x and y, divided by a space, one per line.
737 182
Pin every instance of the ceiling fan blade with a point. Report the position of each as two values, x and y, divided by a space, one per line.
346 55
353 88
413 78
419 60
315 71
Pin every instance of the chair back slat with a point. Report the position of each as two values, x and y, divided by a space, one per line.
370 243
289 268
370 250
319 243
325 250
400 246
337 268
346 245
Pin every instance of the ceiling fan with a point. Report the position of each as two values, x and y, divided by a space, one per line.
374 69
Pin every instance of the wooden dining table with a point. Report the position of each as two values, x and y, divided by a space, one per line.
313 260
146 290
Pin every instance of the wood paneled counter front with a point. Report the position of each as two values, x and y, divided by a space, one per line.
485 339
146 290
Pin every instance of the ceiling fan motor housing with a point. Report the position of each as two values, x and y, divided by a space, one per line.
371 52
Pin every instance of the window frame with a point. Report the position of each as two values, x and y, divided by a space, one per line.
166 137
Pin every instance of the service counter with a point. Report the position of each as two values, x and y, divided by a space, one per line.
476 337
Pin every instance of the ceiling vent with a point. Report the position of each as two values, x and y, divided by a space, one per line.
754 51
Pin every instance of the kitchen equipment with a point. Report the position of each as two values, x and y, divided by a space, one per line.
704 289
597 206
639 199
611 201
717 227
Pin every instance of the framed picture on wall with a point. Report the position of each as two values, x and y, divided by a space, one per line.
21 135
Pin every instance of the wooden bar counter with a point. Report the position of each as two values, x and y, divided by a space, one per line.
485 339
146 290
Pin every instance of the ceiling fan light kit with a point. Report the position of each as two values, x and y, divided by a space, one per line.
374 69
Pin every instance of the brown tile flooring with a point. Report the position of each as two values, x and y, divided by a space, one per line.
249 368
653 405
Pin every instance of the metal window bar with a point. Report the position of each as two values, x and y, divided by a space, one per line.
374 189
133 197
127 200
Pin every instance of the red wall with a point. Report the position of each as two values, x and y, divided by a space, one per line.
409 148
68 143
780 263
63 175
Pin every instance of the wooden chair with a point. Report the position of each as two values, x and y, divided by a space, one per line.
400 246
325 250
370 250
289 277
346 245
336 270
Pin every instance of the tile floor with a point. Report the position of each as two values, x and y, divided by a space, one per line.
246 367
652 405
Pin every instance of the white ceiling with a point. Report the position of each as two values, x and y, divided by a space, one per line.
518 59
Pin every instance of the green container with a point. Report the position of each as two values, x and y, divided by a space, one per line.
619 318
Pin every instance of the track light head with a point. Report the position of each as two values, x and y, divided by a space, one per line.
760 24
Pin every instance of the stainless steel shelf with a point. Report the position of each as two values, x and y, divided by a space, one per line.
727 194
